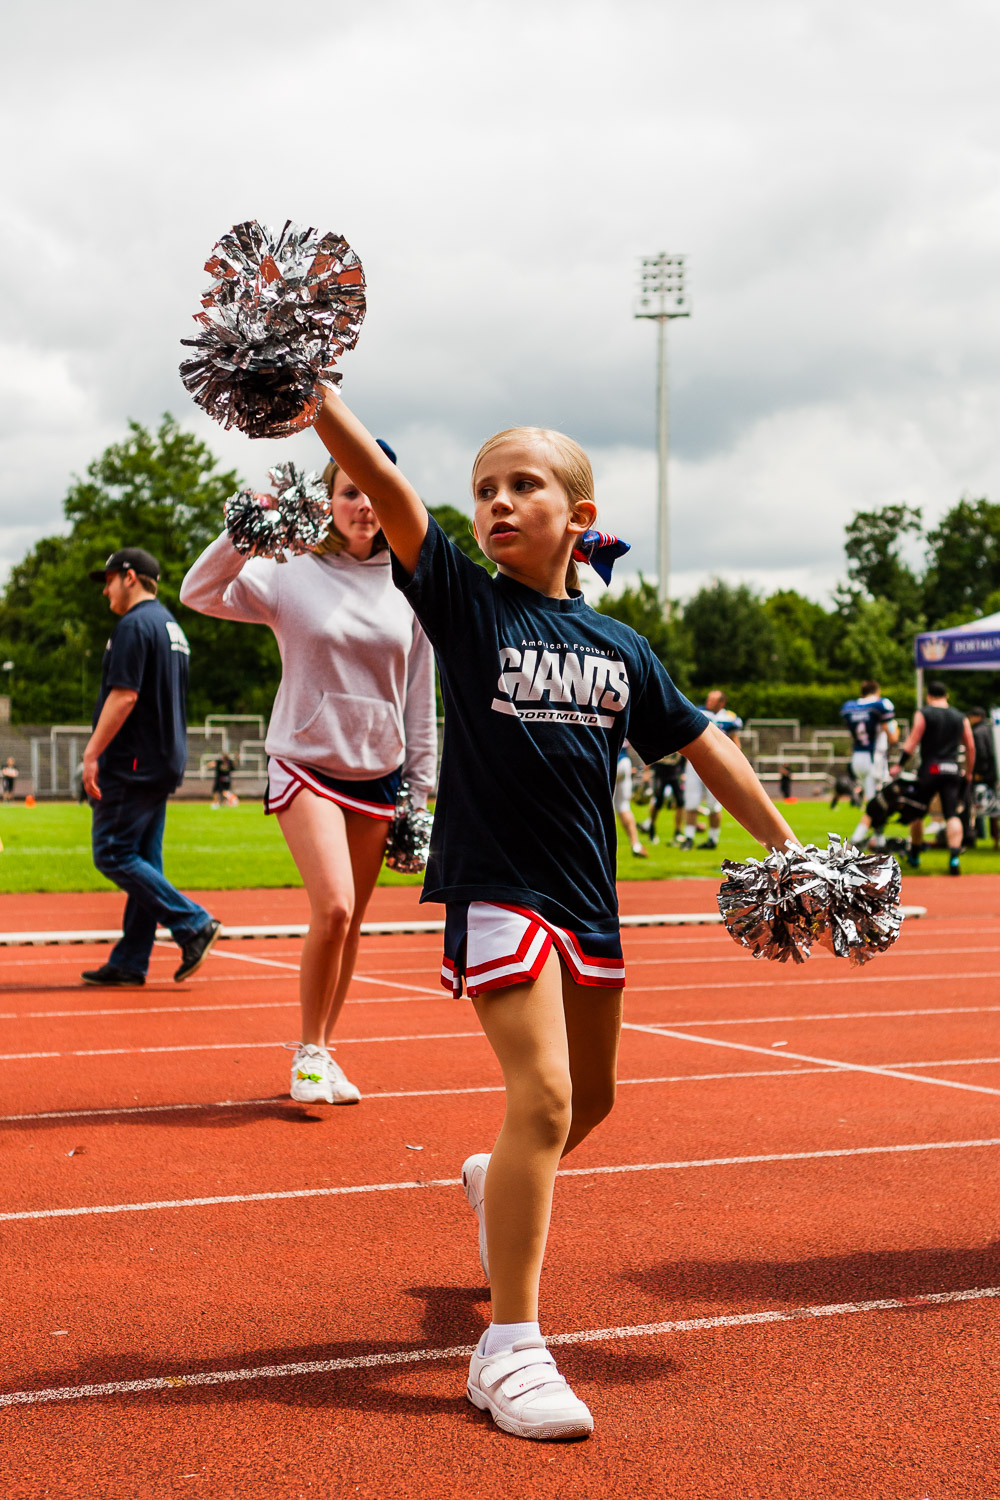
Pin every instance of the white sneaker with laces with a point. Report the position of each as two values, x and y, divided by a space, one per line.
310 1075
474 1182
525 1394
341 1087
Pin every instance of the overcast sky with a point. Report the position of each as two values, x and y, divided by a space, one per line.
830 170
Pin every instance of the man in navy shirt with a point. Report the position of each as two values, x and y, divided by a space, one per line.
134 759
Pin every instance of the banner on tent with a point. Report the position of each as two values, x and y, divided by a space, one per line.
959 649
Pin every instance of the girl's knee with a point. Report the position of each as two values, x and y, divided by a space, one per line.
543 1107
331 919
593 1105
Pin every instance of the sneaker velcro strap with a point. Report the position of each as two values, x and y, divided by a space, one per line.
530 1379
537 1357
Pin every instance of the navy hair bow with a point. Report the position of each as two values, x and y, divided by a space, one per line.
601 550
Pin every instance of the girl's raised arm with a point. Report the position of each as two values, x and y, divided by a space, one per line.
400 510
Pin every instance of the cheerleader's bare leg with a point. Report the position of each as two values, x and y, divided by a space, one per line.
315 830
557 1045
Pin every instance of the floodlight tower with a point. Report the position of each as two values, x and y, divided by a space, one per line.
662 296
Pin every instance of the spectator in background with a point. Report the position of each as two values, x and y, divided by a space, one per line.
134 759
222 781
785 783
941 732
623 802
9 774
695 790
984 783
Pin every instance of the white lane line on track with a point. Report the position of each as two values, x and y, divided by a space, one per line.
342 1041
828 1062
827 1015
894 954
361 1189
427 1356
769 984
276 963
489 1088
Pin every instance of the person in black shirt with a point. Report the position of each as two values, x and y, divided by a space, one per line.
539 693
984 781
941 732
134 759
222 781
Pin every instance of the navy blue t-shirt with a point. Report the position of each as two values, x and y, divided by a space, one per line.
148 653
539 694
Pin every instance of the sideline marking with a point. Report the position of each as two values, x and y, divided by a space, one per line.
489 1088
449 1182
342 1041
827 1062
463 1351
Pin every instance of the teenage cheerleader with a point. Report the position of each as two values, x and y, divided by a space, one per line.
539 692
354 712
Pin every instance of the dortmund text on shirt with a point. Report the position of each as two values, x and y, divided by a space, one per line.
561 686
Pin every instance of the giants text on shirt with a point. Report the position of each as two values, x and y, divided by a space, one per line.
577 685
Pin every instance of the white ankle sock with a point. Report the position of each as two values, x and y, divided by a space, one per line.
501 1336
860 834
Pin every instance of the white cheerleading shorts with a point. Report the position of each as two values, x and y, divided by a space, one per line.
491 945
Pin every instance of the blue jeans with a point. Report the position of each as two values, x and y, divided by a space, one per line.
127 842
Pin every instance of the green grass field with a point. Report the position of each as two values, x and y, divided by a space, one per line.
47 848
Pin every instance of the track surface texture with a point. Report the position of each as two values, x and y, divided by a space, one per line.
773 1274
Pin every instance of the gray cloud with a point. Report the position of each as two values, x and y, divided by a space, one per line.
832 175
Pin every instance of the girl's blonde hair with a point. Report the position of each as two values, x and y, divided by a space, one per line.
568 461
333 541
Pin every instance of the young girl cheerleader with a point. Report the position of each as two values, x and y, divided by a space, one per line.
539 693
354 710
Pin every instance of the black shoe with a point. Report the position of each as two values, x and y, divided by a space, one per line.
195 952
954 868
110 975
707 844
686 844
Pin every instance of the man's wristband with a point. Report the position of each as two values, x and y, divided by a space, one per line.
904 759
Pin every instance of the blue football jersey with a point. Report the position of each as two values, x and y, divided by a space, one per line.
864 717
726 720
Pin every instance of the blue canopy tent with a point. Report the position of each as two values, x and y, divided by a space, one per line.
964 648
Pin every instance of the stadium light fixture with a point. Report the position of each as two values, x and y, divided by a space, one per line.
662 296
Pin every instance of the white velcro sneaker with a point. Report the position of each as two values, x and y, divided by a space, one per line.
526 1395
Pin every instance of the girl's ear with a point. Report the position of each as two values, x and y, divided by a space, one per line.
582 515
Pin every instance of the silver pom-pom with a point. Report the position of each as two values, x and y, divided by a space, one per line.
283 308
293 519
409 841
780 906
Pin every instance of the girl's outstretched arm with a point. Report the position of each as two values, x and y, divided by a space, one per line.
729 776
400 510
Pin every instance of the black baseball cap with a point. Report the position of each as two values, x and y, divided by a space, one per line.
125 558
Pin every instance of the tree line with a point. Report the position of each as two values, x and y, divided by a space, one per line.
780 655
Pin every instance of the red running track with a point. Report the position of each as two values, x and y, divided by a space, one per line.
774 1270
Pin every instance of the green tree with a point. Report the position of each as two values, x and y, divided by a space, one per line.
868 648
733 639
458 527
963 561
872 544
805 632
640 607
163 491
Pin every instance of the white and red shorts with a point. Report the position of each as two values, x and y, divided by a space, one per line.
287 778
490 945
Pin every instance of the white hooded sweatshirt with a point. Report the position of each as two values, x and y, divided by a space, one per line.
356 697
